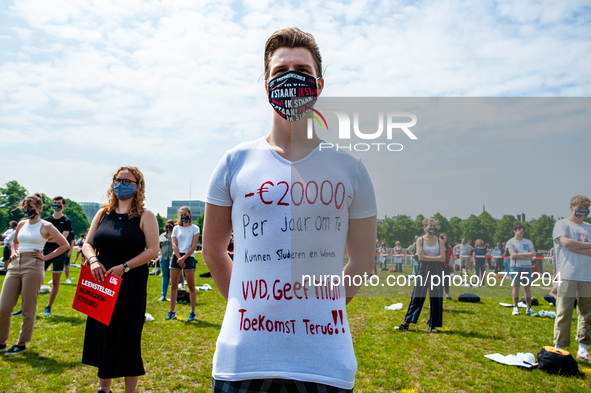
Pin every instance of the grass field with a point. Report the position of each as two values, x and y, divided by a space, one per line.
178 355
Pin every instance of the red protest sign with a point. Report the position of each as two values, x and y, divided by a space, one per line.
97 300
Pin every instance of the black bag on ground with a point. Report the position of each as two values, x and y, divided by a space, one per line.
206 274
557 361
534 301
469 298
183 296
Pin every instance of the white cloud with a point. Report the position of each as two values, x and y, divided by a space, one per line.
182 75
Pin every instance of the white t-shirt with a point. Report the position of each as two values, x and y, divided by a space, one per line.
185 236
289 219
572 266
9 236
464 249
521 247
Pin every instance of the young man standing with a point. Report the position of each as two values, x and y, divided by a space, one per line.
464 249
64 225
572 240
521 251
293 209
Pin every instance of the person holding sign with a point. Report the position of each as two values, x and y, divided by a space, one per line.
293 209
122 238
185 237
25 270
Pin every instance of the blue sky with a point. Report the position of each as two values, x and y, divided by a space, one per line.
169 86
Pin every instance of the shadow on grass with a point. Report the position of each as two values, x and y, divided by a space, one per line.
72 321
458 311
43 364
203 324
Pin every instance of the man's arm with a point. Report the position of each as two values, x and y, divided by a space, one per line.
360 247
575 245
217 230
526 255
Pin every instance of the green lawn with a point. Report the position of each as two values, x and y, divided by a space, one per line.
177 355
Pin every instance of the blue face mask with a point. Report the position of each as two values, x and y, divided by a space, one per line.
57 207
124 191
30 213
185 219
432 230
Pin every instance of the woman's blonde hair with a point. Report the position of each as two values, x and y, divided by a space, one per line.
426 221
479 242
179 221
34 199
137 205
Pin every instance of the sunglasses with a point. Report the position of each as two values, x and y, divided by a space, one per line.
116 180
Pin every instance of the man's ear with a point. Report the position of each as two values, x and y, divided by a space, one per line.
320 85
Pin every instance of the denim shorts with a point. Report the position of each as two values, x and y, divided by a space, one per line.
524 276
189 263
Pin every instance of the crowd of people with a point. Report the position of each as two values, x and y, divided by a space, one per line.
124 236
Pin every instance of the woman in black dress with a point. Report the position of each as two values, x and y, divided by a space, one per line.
125 236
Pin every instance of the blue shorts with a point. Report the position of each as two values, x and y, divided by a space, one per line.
189 263
521 276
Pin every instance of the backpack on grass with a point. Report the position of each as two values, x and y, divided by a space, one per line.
534 301
557 361
469 298
183 296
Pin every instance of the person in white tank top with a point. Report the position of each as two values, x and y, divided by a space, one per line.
431 252
26 271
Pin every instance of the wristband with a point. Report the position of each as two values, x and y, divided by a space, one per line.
91 261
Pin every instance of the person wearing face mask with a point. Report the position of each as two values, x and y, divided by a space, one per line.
185 238
64 225
572 242
398 252
479 253
25 271
521 251
122 239
431 251
165 255
270 191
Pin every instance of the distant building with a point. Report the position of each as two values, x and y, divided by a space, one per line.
90 209
197 208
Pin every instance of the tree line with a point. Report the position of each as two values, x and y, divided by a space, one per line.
12 193
402 228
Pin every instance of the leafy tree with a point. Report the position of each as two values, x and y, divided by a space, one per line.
541 232
472 228
161 221
588 219
504 229
386 231
489 224
455 233
443 226
10 195
199 221
418 224
404 231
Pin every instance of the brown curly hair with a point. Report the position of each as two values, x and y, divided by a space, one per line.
35 200
137 206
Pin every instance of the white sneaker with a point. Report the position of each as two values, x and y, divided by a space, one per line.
68 281
515 311
531 312
50 281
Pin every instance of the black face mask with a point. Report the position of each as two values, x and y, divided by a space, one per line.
57 207
185 219
169 228
30 213
292 94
